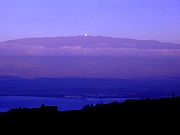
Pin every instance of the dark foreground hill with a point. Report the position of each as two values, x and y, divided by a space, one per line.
145 106
129 107
100 117
148 106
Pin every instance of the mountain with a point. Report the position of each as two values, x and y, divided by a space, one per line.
91 42
89 56
90 45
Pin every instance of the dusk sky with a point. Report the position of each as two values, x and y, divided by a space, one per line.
140 19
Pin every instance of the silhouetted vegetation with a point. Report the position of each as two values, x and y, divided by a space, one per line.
47 115
42 109
163 105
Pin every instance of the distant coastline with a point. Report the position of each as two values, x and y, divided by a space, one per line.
67 103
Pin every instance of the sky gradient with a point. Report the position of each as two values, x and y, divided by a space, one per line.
140 19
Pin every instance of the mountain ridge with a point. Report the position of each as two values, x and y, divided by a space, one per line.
92 41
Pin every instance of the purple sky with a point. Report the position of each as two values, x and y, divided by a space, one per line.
141 19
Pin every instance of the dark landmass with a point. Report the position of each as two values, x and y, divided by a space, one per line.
147 107
116 117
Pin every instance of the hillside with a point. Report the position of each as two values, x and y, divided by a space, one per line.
91 56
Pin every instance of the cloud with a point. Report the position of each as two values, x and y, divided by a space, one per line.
81 51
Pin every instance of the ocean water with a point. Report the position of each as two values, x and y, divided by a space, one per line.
64 104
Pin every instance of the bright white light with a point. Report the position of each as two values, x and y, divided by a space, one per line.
86 35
